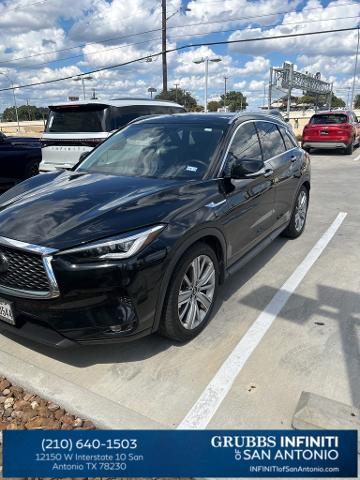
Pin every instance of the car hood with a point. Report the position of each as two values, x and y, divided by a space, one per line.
64 209
24 140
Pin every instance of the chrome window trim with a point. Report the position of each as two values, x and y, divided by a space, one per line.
232 139
47 256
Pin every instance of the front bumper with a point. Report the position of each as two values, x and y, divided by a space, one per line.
98 303
331 145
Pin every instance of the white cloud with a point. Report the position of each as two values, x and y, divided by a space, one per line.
314 17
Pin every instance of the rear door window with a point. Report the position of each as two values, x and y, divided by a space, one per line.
289 142
271 140
328 119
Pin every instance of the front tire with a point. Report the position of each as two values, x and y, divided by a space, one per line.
191 294
298 217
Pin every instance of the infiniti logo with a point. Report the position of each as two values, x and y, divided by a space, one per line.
4 263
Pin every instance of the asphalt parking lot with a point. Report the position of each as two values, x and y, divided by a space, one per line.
312 344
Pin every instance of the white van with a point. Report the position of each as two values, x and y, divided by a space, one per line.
73 128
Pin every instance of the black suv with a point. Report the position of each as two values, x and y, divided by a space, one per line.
19 159
138 236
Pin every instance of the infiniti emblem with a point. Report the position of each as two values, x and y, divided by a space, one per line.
4 264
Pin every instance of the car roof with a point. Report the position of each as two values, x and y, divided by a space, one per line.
119 102
214 119
332 112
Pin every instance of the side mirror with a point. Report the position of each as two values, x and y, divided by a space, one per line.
246 169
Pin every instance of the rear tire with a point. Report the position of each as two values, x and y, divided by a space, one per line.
191 294
298 217
349 149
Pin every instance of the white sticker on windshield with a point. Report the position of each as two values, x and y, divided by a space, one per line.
191 169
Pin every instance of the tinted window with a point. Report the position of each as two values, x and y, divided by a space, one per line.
328 118
245 144
160 151
289 143
271 141
77 118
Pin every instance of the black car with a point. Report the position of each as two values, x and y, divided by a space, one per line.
138 237
19 159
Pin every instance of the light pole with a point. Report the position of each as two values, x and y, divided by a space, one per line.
355 70
164 20
82 79
15 105
206 61
225 80
152 90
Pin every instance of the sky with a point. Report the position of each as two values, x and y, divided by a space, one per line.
47 39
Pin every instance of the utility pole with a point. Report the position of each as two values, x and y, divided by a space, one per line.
225 80
163 38
28 109
270 88
355 70
176 91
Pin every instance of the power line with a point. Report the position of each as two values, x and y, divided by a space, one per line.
183 47
48 52
19 7
174 38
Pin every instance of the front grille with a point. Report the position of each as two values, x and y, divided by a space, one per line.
25 270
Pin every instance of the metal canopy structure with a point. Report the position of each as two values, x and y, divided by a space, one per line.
286 78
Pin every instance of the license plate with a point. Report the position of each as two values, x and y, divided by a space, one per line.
324 132
6 312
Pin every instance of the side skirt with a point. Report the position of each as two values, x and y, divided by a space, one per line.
253 252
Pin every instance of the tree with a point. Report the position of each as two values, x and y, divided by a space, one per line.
213 106
25 112
234 101
180 96
357 101
337 102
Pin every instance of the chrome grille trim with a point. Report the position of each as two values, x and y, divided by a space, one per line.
46 254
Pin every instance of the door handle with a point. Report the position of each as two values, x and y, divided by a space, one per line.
268 172
293 158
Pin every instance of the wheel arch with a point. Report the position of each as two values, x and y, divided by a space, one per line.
212 237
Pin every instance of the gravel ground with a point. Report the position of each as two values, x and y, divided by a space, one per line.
22 410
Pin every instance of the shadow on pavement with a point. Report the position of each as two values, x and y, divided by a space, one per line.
147 347
331 304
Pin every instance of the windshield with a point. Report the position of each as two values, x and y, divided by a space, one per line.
160 151
328 118
77 118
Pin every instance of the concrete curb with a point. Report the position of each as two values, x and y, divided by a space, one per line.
104 413
316 412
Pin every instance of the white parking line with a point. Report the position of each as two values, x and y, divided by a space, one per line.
357 158
206 406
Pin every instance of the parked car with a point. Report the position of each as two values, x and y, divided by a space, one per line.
332 130
138 237
19 157
74 128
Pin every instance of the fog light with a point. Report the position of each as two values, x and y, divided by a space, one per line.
116 328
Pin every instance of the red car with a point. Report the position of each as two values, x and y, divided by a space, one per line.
332 130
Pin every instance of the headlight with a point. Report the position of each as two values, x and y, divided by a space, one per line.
115 248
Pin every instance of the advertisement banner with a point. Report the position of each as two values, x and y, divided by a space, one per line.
180 453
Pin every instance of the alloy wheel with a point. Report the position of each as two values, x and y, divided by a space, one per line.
300 211
196 292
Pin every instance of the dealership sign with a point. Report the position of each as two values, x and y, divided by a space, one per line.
180 453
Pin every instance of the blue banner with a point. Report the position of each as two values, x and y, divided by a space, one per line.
180 453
